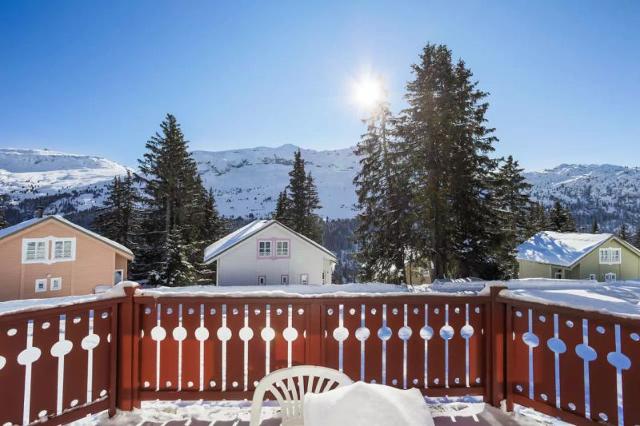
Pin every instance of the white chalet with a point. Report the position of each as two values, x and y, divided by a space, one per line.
265 252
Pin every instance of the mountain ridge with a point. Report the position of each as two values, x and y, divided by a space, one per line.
246 182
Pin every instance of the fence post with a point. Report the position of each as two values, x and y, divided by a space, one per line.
314 353
127 363
498 352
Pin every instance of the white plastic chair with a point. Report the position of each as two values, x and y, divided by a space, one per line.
289 386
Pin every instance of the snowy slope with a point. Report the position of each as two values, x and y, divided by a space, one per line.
247 181
30 173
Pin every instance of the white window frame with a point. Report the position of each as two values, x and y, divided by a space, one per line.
304 279
52 284
266 253
284 279
263 278
63 240
610 256
610 277
25 244
121 274
43 282
285 248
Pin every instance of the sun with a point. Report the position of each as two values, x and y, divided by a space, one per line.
368 91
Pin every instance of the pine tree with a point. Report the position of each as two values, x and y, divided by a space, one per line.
595 228
636 238
177 269
623 233
447 142
537 219
118 219
298 202
511 203
3 219
174 202
380 233
560 219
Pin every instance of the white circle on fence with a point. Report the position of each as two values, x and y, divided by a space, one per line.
416 381
352 311
457 380
477 309
619 360
12 332
257 311
530 339
3 362
268 334
394 311
202 333
466 331
436 380
340 334
235 311
635 337
405 333
416 311
290 334
104 315
147 384
384 333
212 311
147 311
436 311
169 311
168 383
603 416
519 314
426 332
572 406
234 384
246 334
190 311
519 388
89 342
77 320
74 403
179 334
569 323
556 345
600 329
190 384
300 311
447 332
103 392
29 355
456 310
394 382
158 333
373 311
45 325
224 334
329 311
586 352
477 379
362 334
212 384
61 348
542 318
278 311
42 413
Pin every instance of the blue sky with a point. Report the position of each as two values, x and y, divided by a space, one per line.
98 77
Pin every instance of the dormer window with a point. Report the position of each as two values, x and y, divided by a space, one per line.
64 249
264 248
610 256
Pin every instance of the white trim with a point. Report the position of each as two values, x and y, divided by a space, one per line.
63 240
267 244
285 253
52 285
27 241
304 279
42 281
610 277
610 256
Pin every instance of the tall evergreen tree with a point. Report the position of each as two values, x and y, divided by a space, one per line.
560 219
448 144
595 228
177 208
511 203
636 238
382 203
298 202
537 219
118 220
3 219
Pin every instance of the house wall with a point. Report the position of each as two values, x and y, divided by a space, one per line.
241 265
94 264
628 270
590 264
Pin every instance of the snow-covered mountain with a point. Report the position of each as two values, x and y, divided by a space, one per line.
69 181
608 192
247 181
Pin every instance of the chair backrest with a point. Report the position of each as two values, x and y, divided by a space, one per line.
289 385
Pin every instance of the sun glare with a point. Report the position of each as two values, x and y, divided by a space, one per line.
368 92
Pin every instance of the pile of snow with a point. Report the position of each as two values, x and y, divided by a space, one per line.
559 248
366 404
327 290
621 298
26 305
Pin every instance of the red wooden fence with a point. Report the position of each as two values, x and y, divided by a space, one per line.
64 363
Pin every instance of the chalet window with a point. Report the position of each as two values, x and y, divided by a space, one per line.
610 256
304 279
284 279
610 276
34 250
264 248
64 249
56 284
41 285
282 248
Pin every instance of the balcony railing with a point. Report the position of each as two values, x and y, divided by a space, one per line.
64 363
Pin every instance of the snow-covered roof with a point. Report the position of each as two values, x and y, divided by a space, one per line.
10 230
238 236
559 248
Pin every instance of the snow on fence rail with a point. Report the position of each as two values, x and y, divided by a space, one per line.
62 363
